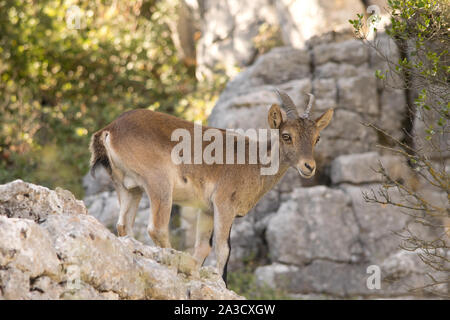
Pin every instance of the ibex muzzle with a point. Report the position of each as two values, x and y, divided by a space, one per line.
136 151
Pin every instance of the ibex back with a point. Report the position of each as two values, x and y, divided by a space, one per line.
136 150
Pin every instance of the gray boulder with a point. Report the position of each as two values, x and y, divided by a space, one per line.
100 183
229 29
320 276
340 280
29 201
314 223
377 224
363 167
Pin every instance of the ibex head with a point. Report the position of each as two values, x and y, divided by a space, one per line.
298 133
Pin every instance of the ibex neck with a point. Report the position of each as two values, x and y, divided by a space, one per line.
269 181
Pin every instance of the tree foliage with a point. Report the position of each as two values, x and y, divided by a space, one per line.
59 85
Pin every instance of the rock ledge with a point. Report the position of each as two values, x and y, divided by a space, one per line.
51 248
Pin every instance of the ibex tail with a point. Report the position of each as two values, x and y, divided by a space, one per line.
98 153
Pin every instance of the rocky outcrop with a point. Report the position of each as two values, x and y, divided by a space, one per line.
339 70
323 239
51 248
230 28
362 168
308 221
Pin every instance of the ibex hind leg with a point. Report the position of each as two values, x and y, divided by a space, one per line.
129 203
161 206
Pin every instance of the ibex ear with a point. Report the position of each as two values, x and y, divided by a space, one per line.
274 117
324 119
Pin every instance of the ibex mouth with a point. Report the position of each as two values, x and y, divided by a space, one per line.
306 175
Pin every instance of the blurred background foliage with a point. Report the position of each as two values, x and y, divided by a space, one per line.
59 85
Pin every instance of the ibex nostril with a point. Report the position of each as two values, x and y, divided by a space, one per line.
310 168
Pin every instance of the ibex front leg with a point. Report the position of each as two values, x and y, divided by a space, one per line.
203 236
223 220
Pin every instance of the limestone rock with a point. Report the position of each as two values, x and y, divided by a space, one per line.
100 183
289 182
301 20
70 255
227 32
280 65
340 280
315 222
361 168
345 134
320 276
377 224
20 239
350 51
229 28
338 70
19 199
359 93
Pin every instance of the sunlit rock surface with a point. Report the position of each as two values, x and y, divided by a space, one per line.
51 248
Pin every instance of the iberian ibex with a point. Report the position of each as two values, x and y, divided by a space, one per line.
136 151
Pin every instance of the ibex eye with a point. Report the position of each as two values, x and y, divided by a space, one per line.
286 137
318 138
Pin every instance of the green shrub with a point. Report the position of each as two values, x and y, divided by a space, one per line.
59 85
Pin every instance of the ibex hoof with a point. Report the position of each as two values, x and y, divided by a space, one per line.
121 230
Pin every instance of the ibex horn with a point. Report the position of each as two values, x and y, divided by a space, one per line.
308 108
288 105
